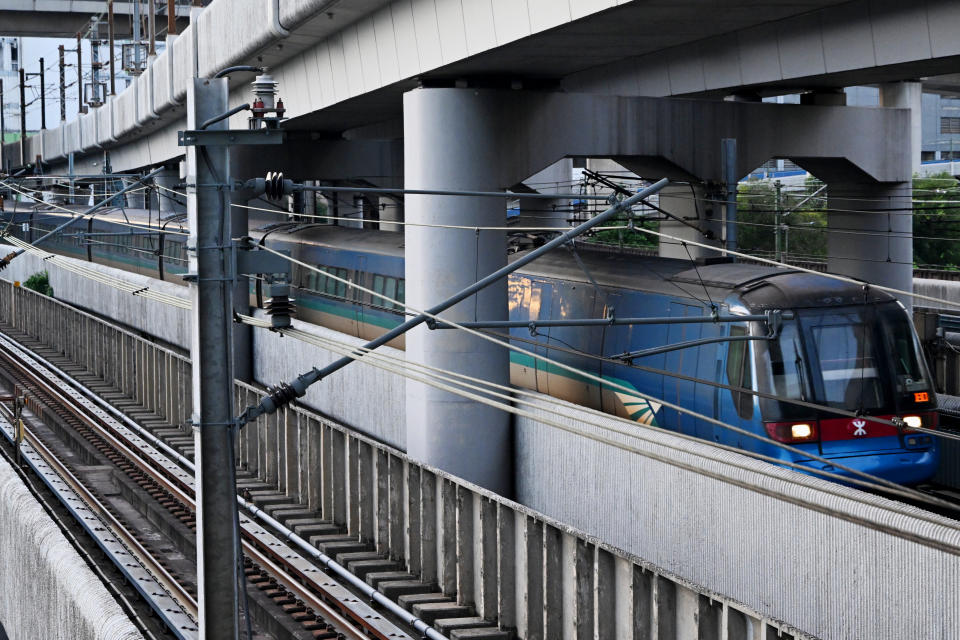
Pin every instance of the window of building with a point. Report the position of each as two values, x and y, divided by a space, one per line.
950 124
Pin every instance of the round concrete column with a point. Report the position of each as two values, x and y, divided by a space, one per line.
690 203
866 240
907 95
167 179
554 214
391 212
451 142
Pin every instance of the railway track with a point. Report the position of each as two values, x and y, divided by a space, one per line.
314 604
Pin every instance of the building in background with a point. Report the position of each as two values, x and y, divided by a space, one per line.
10 53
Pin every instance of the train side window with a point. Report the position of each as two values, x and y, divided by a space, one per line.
739 373
342 286
329 284
401 294
378 287
312 280
390 290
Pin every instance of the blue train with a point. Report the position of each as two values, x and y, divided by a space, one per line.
839 345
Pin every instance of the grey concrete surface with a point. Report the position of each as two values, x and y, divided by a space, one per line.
451 142
170 324
46 590
368 399
811 566
870 236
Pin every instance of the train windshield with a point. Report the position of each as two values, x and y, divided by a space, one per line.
782 371
844 346
864 358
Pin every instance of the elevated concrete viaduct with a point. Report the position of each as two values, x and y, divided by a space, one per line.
482 96
343 72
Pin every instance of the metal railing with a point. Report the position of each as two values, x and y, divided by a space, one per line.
520 570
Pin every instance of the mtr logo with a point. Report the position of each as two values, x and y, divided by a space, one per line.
858 427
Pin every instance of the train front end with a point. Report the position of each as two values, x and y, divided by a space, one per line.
852 350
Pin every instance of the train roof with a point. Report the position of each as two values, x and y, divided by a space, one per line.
760 287
386 243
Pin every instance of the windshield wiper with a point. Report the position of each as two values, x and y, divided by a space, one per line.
798 363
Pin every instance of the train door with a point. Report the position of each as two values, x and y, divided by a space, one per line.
529 299
709 367
355 297
541 308
734 407
573 300
684 362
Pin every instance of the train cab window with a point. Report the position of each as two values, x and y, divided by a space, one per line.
844 346
904 348
783 371
739 373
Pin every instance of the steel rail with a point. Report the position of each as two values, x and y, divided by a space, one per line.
160 573
183 490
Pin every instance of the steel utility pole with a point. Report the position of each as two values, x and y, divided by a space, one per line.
136 36
79 75
63 85
171 18
213 375
3 129
113 80
152 27
23 117
778 216
43 98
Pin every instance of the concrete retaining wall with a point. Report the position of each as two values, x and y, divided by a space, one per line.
46 589
167 323
369 399
821 572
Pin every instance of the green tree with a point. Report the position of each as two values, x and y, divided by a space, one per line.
40 282
803 221
936 221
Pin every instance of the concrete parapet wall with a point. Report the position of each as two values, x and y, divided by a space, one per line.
170 324
46 589
369 399
819 567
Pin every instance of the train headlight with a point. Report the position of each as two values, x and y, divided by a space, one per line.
914 422
792 432
801 431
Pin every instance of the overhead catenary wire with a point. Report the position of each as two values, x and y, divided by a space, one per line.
348 281
507 402
93 215
185 304
615 385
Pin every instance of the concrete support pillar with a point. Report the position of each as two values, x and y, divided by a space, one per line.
451 143
907 95
549 213
168 179
690 202
868 241
391 212
349 205
310 201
